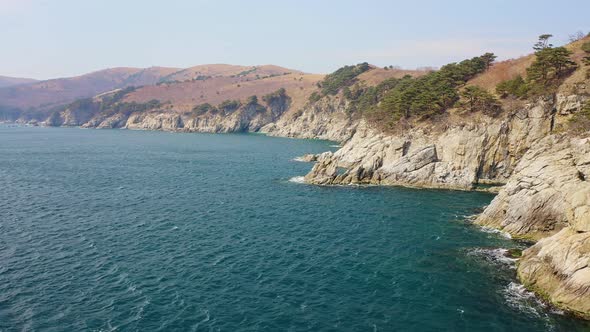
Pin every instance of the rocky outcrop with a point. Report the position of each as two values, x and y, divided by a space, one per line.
308 158
557 269
547 192
463 155
250 117
548 198
328 119
155 121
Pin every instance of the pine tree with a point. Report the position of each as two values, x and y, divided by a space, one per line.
551 63
543 42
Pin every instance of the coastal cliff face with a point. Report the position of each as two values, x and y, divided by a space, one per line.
548 198
481 151
328 119
250 117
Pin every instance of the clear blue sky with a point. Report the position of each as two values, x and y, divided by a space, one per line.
56 38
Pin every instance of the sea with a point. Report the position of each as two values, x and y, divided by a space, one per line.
119 230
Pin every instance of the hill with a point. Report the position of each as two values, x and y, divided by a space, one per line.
6 81
50 93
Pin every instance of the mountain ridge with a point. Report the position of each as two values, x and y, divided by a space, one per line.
6 81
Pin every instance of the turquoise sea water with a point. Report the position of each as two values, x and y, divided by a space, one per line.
149 231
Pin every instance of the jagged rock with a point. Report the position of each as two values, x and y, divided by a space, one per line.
548 198
456 158
557 267
547 192
327 119
153 121
308 158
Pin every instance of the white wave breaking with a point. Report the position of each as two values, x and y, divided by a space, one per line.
491 230
495 255
297 179
518 297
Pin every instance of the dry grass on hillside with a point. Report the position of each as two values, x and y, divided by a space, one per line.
185 95
509 69
46 94
502 71
378 75
216 70
577 83
225 85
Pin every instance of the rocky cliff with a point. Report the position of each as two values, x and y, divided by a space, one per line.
328 119
250 117
479 150
548 198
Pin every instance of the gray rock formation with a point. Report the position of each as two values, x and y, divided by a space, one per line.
327 119
458 158
548 198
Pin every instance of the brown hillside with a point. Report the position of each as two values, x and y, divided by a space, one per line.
509 69
185 95
502 71
378 75
45 94
6 81
216 70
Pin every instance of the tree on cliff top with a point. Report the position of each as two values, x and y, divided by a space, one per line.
432 93
345 76
474 98
551 63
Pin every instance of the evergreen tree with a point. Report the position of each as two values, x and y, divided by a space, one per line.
543 42
551 64
488 59
516 87
474 98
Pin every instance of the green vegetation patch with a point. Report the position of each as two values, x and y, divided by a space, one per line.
274 97
514 253
474 98
580 121
432 93
516 87
229 106
551 66
204 109
345 76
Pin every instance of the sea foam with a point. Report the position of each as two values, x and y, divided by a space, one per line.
495 255
297 179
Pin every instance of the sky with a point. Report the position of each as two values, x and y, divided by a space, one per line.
59 38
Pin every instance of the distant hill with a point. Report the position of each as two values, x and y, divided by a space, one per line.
55 92
6 81
50 93
180 90
239 83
